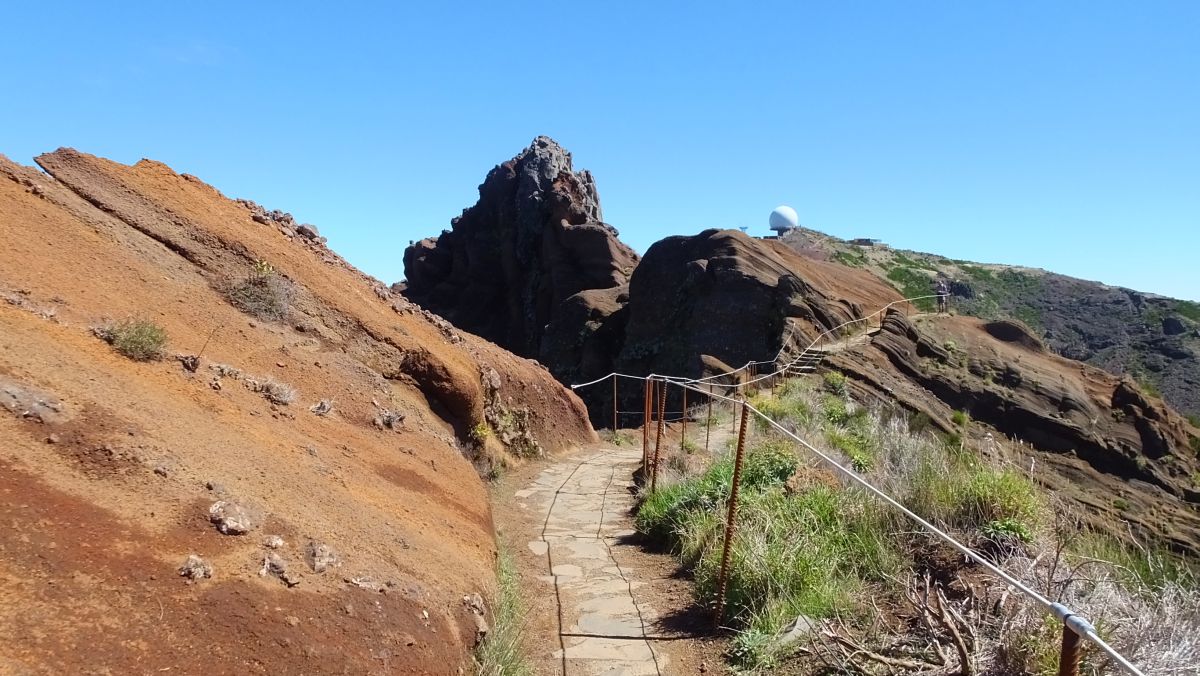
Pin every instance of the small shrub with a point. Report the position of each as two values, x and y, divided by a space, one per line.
1008 529
272 390
769 463
138 339
835 382
950 346
960 418
263 293
479 432
1121 504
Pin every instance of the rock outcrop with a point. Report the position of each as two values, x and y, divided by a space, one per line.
1093 436
723 297
114 471
535 238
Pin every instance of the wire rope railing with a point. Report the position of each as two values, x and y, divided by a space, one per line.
1075 626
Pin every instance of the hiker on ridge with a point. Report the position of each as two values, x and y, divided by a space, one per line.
942 289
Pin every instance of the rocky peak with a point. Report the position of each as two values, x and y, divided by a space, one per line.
534 239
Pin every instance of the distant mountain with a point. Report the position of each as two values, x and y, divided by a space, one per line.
1152 338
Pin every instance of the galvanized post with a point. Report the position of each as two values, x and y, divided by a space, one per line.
723 579
662 409
1068 659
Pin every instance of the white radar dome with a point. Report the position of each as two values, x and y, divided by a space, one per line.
784 218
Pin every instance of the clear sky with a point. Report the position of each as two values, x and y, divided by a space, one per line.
1056 135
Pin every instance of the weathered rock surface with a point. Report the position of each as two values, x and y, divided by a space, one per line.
535 238
724 298
1093 436
91 528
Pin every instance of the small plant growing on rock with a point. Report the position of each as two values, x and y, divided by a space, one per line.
479 432
136 338
263 293
960 418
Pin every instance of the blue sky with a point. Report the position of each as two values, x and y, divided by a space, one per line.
1056 135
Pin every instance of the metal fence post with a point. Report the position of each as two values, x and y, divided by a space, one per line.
708 423
683 425
614 407
723 579
646 404
662 409
1068 659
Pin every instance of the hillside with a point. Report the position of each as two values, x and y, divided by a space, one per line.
313 445
1154 339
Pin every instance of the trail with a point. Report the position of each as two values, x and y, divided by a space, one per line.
597 601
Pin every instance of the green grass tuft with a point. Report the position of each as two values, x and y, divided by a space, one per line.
501 653
136 338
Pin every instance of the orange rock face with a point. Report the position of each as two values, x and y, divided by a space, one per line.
110 467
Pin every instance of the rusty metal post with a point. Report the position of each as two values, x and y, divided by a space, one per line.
683 426
1068 659
647 394
723 579
662 409
614 407
708 423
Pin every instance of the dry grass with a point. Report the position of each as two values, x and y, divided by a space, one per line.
136 338
1145 605
502 652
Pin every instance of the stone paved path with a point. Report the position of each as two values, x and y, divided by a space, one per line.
583 507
